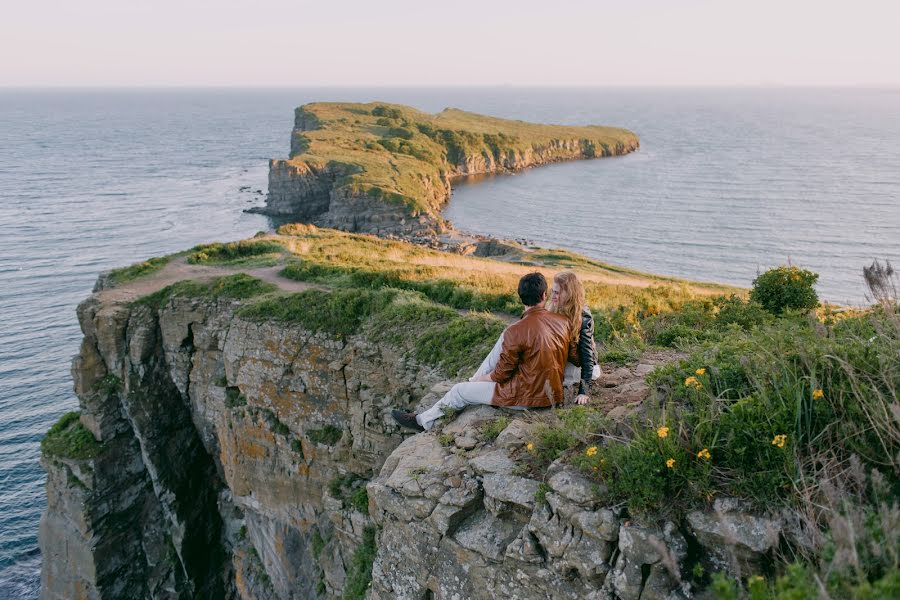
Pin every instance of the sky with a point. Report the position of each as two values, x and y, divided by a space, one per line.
463 42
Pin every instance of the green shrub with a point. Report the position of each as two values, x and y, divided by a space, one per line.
359 500
359 574
350 489
68 438
385 111
232 252
493 428
329 435
785 288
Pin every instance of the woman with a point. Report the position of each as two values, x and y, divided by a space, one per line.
567 299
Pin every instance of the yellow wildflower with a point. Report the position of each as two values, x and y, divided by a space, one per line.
818 394
693 382
670 463
704 454
701 371
779 440
591 451
529 446
662 432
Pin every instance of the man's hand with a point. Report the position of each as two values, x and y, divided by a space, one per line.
486 377
582 399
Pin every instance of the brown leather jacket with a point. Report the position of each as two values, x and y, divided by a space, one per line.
533 359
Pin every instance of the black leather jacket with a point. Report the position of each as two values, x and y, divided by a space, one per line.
585 354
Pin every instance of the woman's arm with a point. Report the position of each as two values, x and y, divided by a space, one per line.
586 353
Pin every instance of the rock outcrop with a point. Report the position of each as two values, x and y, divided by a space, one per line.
460 522
220 439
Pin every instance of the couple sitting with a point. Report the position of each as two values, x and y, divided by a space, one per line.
549 347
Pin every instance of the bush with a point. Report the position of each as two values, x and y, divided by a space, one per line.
785 288
328 435
232 251
493 428
350 489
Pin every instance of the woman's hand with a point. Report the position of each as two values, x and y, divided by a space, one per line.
485 377
582 399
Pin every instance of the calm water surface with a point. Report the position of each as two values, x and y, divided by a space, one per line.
726 182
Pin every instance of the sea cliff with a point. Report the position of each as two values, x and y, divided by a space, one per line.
235 439
387 169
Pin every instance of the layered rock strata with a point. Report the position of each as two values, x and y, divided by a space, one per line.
219 440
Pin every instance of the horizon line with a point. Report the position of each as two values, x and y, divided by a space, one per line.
162 86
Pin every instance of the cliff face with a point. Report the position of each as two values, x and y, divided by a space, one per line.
391 175
254 460
219 441
310 194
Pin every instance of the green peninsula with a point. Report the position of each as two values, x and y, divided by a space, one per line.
386 168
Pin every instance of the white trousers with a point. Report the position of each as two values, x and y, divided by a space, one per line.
460 396
471 392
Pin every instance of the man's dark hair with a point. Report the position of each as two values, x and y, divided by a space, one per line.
532 288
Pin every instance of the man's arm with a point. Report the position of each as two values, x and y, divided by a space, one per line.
510 357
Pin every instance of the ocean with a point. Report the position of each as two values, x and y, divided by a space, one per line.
728 182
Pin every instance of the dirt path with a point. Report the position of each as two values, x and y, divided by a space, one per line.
180 270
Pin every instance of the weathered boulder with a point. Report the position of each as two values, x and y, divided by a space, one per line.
735 538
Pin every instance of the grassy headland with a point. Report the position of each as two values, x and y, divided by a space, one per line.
406 157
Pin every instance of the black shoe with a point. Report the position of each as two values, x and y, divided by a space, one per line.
405 419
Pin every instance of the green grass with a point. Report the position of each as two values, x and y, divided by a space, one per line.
243 253
350 489
138 270
68 438
239 286
328 435
493 428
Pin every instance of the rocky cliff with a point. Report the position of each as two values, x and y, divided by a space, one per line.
218 441
386 169
226 456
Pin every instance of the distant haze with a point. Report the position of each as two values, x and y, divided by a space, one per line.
488 42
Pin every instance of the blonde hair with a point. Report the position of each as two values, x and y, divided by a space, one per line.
571 287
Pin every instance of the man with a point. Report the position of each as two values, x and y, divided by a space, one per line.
530 368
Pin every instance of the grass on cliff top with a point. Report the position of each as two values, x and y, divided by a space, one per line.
138 270
341 259
243 253
68 438
403 155
239 286
433 334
